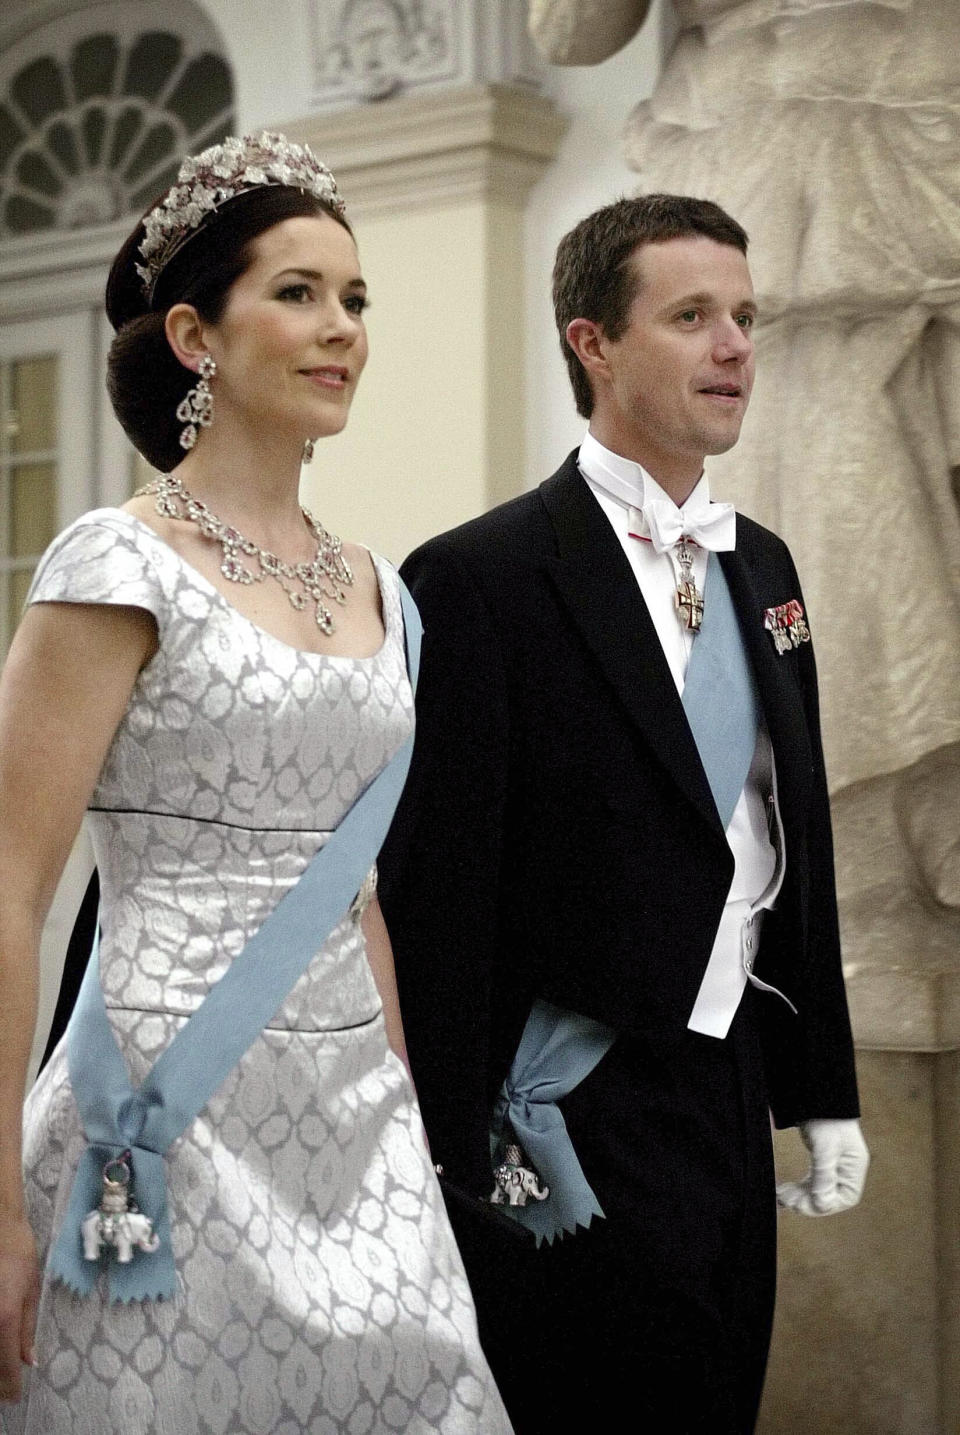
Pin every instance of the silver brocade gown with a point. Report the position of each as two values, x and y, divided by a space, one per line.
320 1286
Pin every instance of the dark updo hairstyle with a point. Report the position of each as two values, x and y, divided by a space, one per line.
145 379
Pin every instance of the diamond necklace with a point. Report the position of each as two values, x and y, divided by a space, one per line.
322 578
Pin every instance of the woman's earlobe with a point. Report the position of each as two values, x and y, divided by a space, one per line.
184 330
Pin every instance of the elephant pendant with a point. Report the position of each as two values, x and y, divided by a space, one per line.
117 1222
516 1183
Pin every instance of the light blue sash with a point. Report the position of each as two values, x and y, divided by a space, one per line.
204 1051
720 696
558 1048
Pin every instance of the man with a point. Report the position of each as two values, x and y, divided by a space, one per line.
610 830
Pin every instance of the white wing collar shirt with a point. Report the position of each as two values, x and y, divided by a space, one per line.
648 524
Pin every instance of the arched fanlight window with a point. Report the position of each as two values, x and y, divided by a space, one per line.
94 133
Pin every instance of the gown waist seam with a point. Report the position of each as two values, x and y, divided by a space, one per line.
300 1030
209 821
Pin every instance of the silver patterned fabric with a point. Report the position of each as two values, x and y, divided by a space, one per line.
320 1288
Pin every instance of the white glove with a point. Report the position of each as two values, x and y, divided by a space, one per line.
838 1168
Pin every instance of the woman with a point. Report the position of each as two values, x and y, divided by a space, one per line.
218 679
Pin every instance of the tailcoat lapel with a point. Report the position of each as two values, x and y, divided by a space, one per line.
598 589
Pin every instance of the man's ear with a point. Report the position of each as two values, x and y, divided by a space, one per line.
587 340
184 330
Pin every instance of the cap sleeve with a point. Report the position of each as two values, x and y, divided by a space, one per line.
105 557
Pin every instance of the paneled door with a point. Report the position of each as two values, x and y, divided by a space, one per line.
51 416
50 403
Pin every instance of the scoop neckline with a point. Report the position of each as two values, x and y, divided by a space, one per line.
385 612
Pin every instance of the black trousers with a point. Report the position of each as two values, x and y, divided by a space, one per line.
664 1308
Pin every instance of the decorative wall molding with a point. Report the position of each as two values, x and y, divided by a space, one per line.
96 108
441 147
54 272
436 146
369 50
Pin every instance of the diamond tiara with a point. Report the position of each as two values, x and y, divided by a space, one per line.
207 180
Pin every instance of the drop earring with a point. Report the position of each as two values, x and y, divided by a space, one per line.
196 408
307 454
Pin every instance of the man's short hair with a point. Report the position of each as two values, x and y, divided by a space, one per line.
592 276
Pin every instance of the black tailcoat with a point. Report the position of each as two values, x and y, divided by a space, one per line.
558 839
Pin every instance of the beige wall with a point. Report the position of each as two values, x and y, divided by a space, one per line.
433 436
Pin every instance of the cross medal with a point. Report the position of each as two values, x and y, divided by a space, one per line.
689 597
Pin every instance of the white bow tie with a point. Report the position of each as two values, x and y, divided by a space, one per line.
714 527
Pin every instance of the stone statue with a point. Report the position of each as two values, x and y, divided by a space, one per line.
830 129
